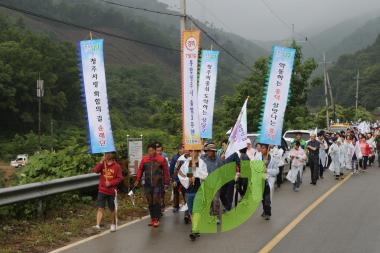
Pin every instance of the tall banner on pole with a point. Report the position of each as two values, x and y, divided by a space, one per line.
95 94
190 116
276 95
238 136
206 95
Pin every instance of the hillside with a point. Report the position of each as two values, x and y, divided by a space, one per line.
143 79
359 39
343 74
137 25
344 38
332 37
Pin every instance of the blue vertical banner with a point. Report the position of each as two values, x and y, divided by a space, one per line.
276 95
206 91
95 94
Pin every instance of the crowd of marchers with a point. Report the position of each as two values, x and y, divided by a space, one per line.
349 151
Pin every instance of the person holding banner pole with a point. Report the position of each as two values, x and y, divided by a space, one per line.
110 177
191 175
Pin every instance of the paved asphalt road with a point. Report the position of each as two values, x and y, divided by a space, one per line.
347 221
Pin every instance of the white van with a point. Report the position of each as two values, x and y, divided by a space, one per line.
290 135
20 161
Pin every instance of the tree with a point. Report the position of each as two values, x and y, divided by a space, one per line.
296 115
343 78
343 114
23 57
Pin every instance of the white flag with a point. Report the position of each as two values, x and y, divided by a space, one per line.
364 127
238 136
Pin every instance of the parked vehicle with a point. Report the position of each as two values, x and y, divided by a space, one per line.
338 127
21 160
290 135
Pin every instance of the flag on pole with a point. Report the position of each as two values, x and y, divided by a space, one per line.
238 136
206 94
95 94
276 95
190 115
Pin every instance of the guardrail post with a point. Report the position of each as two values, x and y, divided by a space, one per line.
40 209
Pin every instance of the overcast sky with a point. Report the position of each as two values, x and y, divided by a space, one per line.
272 20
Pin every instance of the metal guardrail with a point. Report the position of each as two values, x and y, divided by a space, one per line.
25 192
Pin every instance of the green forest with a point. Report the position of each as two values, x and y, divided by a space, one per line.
144 96
343 75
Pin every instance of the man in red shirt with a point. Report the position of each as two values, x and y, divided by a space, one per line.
155 170
109 178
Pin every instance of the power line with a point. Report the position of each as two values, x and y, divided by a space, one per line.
143 9
212 14
119 36
219 45
179 15
288 25
88 28
276 15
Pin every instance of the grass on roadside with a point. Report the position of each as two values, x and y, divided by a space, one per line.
67 219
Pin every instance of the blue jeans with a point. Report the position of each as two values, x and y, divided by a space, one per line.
190 202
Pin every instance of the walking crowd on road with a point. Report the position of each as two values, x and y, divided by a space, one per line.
342 152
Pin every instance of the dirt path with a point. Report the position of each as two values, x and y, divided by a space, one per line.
6 172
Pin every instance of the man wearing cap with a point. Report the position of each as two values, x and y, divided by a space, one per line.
213 162
109 178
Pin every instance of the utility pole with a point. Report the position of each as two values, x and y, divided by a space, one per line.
40 94
331 96
51 133
183 20
357 94
293 37
326 99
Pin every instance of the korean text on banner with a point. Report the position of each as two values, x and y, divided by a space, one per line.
277 95
190 117
238 136
95 94
206 95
